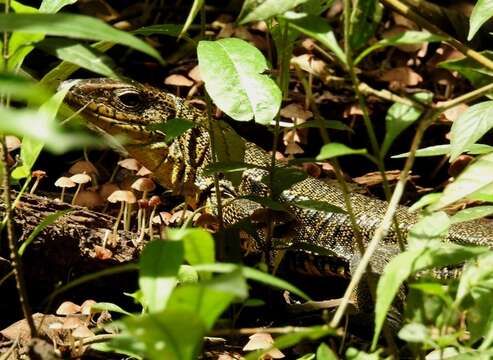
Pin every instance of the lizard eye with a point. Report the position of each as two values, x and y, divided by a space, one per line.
130 98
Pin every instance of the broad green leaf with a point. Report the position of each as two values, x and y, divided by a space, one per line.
172 128
159 265
232 70
84 56
161 29
473 213
409 262
475 177
324 124
220 167
470 127
399 117
325 353
187 275
255 10
365 17
47 221
428 230
170 334
355 354
405 38
283 179
424 201
483 10
440 150
73 26
265 201
53 6
106 306
19 88
198 245
318 206
415 333
332 150
286 341
208 299
317 28
252 274
316 7
196 6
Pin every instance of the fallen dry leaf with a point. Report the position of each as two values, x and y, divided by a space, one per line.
401 77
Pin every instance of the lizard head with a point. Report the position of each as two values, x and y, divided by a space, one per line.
123 108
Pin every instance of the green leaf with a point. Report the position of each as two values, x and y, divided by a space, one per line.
284 178
440 150
172 128
365 17
473 213
470 127
474 178
429 229
170 334
483 10
196 6
209 299
187 275
73 26
316 7
161 29
47 221
424 201
415 333
19 88
318 206
159 265
325 353
399 118
53 6
227 168
405 38
232 70
324 124
255 10
265 201
332 150
252 274
409 262
317 28
198 244
86 57
106 306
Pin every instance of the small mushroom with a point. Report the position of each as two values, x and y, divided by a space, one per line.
85 167
144 185
129 164
64 182
143 171
154 201
141 218
79 179
68 308
125 197
38 174
89 199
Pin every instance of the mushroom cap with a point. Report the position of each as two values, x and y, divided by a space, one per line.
143 203
178 80
64 182
130 164
68 308
38 173
122 195
89 199
154 200
82 331
80 178
143 184
12 142
83 166
143 171
107 189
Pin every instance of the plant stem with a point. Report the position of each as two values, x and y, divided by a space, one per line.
15 259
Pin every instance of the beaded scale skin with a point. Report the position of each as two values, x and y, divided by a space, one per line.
126 108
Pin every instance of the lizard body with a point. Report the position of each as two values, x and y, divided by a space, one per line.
120 108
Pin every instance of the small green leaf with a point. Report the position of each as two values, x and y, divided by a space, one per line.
470 127
252 274
255 10
284 178
73 26
474 178
415 333
318 206
85 56
365 17
196 6
227 168
106 306
399 118
159 265
53 6
325 353
440 150
232 70
332 150
210 298
482 11
429 229
324 124
20 88
172 128
473 213
198 244
187 275
161 29
404 38
265 201
317 28
424 201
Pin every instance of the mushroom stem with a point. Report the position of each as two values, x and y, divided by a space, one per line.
153 212
79 186
62 194
118 218
128 210
143 226
35 185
